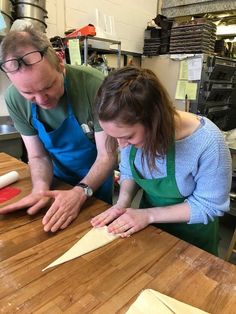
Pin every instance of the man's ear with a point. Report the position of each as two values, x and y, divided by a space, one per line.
61 62
62 66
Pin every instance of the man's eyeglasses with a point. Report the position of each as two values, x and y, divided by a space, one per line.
30 58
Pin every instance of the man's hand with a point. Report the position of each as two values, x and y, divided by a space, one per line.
33 202
64 209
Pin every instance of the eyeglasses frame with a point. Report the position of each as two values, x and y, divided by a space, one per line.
21 61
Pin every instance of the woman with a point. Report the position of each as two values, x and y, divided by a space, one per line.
178 159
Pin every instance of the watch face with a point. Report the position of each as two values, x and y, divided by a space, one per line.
89 191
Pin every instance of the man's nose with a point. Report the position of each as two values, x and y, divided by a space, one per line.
41 99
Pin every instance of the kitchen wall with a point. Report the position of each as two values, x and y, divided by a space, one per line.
117 19
4 82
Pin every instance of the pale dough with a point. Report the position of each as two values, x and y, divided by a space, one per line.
153 302
94 239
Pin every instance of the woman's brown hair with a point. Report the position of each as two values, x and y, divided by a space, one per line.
132 95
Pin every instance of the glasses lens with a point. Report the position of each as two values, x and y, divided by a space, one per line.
32 57
29 58
10 65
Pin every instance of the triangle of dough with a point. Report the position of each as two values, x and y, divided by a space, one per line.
151 301
94 239
147 303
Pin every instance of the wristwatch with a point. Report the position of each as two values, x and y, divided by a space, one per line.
87 189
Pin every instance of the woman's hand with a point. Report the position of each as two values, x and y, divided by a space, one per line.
131 221
107 216
124 221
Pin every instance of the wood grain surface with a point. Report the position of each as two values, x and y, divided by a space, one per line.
109 279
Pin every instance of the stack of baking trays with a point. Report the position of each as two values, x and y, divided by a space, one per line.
152 41
193 37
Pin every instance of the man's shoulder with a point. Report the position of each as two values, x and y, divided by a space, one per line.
12 94
11 90
83 72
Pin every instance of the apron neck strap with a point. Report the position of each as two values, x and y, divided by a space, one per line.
170 158
70 111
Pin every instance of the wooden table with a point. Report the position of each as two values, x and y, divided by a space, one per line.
109 279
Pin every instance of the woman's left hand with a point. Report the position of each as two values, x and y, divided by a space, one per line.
107 216
131 221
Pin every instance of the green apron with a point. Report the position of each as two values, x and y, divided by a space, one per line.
163 192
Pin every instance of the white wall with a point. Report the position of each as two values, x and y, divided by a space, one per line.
128 20
4 82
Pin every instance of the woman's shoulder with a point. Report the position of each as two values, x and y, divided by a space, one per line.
194 127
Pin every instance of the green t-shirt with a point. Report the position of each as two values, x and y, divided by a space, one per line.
82 84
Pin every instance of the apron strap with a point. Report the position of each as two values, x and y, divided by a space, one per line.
170 158
69 107
34 111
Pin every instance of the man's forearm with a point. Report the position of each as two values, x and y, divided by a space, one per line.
100 170
41 173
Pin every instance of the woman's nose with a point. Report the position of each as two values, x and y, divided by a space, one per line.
122 142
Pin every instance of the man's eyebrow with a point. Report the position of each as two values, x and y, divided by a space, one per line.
46 87
49 85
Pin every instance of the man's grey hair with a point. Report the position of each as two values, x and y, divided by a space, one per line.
14 43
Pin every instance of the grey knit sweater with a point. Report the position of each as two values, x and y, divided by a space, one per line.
203 171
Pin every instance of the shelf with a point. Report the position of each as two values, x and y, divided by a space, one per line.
86 47
232 207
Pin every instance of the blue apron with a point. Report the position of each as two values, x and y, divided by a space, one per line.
72 153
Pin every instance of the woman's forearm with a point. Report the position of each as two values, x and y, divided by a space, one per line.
128 189
169 214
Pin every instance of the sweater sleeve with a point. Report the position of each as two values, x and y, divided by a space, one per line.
210 198
124 165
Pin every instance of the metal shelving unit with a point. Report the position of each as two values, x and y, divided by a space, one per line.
112 42
86 47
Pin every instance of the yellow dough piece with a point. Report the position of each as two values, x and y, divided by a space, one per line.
94 239
153 302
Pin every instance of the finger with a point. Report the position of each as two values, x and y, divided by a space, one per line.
107 216
50 193
39 205
9 209
51 212
128 233
68 221
118 227
55 223
16 206
101 220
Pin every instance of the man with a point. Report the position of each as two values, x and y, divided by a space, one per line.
51 106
